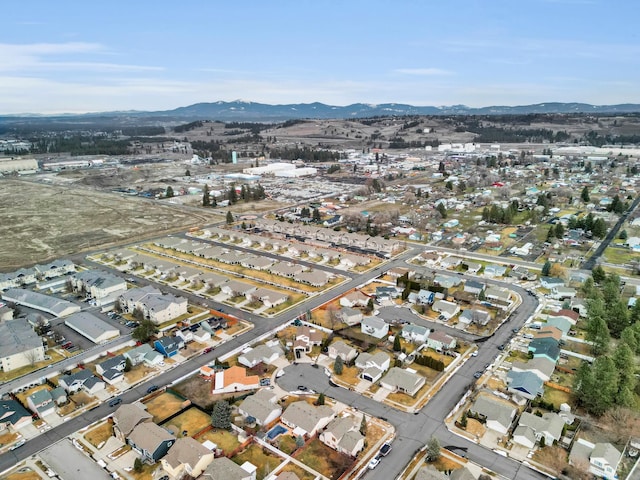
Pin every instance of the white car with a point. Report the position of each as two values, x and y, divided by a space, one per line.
374 463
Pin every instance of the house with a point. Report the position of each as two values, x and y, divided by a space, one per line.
127 417
151 441
415 333
563 293
551 282
262 406
472 267
387 293
354 299
497 413
545 347
143 354
269 298
429 472
475 315
524 384
374 326
541 366
549 331
372 366
307 419
223 468
155 306
343 435
350 316
404 381
429 258
41 403
234 379
445 308
494 270
112 369
186 457
560 323
235 288
97 284
81 380
169 346
423 297
342 350
284 269
473 286
13 415
266 354
20 345
498 294
59 396
315 278
450 262
532 427
307 338
447 281
604 460
440 341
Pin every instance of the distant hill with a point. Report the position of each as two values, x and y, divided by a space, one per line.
261 112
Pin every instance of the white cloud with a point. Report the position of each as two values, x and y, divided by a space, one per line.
423 72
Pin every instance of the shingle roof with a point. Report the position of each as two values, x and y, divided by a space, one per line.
186 451
148 436
128 415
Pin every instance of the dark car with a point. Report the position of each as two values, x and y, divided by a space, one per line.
500 347
386 448
115 402
478 374
302 388
152 388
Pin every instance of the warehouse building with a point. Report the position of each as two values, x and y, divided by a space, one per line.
91 327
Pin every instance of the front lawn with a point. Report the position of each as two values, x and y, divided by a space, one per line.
99 434
163 406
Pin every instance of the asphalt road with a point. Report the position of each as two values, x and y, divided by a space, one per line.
413 430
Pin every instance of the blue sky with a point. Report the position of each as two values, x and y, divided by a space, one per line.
73 56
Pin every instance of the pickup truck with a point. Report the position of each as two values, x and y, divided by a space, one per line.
385 449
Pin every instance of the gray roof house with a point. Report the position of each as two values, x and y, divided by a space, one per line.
41 403
497 413
524 384
343 435
262 406
307 419
126 417
144 353
267 354
342 350
374 326
151 441
81 380
541 366
549 426
112 369
224 468
404 381
415 333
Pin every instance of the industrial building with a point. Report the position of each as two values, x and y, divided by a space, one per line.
19 344
91 327
19 165
38 301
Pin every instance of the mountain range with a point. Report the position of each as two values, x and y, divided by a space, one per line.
251 111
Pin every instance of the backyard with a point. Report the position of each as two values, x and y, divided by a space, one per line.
299 471
99 434
163 406
261 458
321 458
191 421
225 440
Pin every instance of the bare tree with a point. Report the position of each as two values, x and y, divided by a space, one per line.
332 316
623 423
31 356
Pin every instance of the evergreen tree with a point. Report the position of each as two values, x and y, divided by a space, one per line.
338 365
598 333
206 200
546 268
442 209
363 425
169 192
397 345
230 218
144 331
320 400
299 441
617 318
232 195
316 216
598 274
584 196
624 361
221 415
605 386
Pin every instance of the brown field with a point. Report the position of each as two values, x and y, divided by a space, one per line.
226 441
262 458
42 222
28 474
99 434
163 406
323 459
192 421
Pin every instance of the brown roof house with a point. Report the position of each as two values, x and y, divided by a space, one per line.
151 441
126 417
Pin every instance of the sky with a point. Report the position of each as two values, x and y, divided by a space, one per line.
86 56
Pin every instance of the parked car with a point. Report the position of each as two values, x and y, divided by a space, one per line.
302 388
386 448
17 445
115 402
374 463
478 374
152 388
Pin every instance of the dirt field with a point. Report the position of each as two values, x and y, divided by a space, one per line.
42 222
